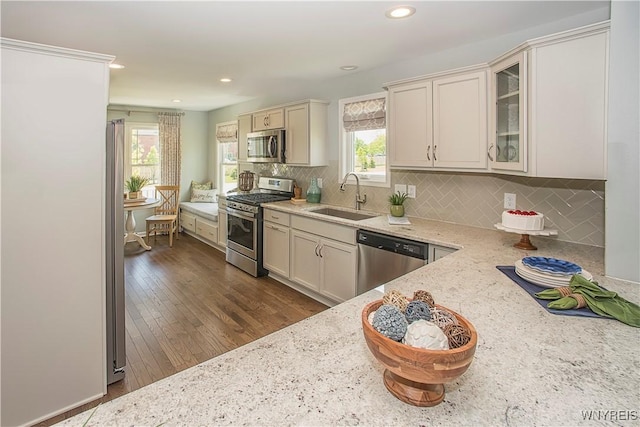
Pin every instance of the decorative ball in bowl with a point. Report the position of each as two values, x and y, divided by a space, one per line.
416 375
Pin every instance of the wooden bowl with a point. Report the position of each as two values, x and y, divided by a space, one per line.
415 375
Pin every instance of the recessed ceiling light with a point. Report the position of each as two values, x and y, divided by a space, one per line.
400 12
176 100
116 66
225 80
349 67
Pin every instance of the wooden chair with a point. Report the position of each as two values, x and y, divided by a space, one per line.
165 219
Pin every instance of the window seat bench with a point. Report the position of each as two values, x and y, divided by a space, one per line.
200 220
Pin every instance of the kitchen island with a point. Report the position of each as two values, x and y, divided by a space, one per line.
531 367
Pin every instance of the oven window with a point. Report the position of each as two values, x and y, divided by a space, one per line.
240 231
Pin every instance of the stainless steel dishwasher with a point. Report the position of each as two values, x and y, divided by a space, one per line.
382 258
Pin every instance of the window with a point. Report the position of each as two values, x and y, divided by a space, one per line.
142 154
363 140
227 138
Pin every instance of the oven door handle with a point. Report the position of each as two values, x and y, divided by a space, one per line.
235 212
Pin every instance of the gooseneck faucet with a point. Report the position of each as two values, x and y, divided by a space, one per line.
359 201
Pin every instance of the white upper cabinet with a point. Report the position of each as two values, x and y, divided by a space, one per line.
244 127
306 134
460 121
410 125
568 104
270 119
508 135
439 122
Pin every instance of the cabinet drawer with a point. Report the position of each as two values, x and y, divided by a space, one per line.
188 221
277 217
330 230
207 230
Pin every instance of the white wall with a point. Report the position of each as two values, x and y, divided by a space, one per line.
52 231
194 146
622 250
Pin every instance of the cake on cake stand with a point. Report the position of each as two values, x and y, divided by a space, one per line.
524 242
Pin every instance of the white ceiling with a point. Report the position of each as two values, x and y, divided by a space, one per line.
181 49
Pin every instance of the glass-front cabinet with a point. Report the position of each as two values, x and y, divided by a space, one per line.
508 139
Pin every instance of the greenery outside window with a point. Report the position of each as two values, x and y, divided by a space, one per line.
363 139
227 140
142 154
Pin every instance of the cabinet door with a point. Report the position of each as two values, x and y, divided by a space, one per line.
297 136
206 229
188 221
305 262
569 108
339 270
437 252
265 120
460 121
410 125
276 248
508 143
222 228
244 127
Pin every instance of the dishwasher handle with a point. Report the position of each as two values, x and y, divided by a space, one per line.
398 245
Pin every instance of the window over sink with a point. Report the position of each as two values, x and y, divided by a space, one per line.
363 139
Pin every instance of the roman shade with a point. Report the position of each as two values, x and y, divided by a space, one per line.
365 115
227 132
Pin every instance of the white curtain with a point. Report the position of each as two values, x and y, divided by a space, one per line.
170 147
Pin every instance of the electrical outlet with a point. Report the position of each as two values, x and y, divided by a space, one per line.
402 188
509 201
320 182
411 191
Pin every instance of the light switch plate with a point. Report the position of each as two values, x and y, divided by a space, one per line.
402 188
411 191
509 201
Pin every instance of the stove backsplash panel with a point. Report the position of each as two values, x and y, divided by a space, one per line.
574 207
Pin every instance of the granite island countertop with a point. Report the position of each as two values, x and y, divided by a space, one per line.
531 367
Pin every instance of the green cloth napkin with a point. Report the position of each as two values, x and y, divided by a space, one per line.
602 302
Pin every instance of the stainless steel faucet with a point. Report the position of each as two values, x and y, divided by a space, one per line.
359 201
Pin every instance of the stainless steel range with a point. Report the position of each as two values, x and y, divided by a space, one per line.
244 222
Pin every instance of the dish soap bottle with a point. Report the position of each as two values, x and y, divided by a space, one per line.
313 192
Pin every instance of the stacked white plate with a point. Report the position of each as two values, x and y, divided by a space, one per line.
549 272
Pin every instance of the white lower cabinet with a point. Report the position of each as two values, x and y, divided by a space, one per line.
208 230
275 242
222 227
436 252
324 265
188 221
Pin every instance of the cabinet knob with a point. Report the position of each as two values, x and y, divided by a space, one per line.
428 152
435 147
489 153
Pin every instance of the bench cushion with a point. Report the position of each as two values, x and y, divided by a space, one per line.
206 210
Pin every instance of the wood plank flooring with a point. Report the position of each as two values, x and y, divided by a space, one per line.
185 305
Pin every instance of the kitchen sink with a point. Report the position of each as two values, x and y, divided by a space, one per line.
354 216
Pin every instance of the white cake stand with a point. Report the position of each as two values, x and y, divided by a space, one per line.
524 242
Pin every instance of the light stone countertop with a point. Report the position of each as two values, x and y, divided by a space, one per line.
531 367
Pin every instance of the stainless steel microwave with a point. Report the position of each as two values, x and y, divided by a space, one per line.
266 146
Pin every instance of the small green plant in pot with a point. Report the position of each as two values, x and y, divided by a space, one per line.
135 185
397 203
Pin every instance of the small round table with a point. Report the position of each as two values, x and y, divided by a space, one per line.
130 225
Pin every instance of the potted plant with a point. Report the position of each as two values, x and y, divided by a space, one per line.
397 203
135 185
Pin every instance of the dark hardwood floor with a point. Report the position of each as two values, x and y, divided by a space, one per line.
185 305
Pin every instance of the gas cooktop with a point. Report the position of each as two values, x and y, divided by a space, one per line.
258 198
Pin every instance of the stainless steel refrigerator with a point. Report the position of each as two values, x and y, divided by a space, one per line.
116 356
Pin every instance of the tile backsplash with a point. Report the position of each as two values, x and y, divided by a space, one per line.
574 207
